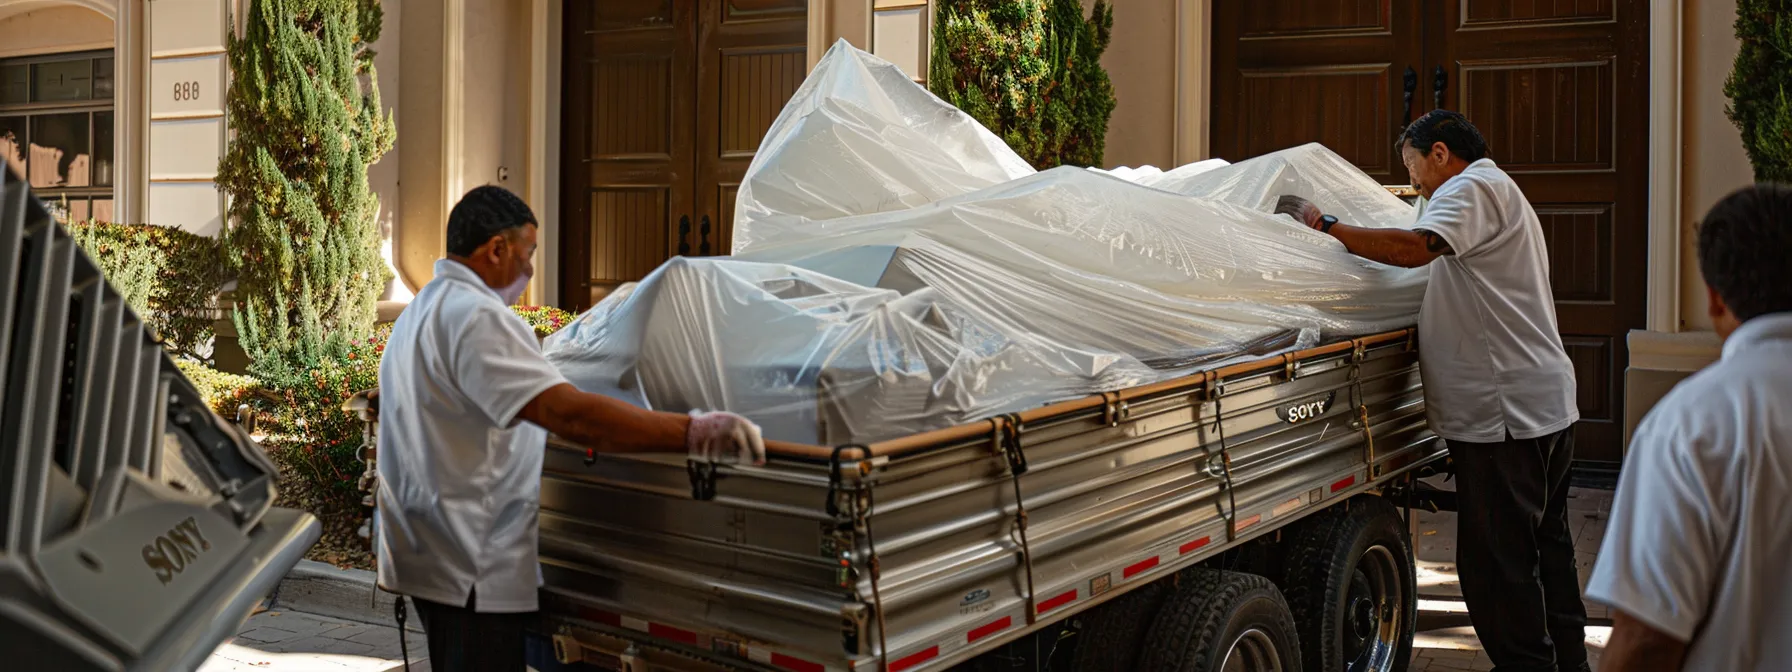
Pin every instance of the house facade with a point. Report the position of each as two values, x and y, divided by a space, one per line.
627 124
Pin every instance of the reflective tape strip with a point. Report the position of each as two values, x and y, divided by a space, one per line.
1343 483
1193 546
1059 601
1138 567
988 629
1253 520
794 664
915 659
1285 507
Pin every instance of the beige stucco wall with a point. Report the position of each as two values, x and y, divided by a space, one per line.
495 130
464 116
1141 62
53 30
1712 162
383 176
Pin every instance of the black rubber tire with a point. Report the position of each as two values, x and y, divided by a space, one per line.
1323 554
1112 634
1197 626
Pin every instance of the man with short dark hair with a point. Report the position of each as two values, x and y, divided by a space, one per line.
1694 561
465 396
1499 388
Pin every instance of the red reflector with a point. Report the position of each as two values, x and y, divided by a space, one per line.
600 616
917 659
795 664
1195 545
1253 520
988 629
1137 567
1347 482
1058 601
674 634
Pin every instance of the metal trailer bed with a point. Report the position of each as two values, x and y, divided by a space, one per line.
137 528
923 552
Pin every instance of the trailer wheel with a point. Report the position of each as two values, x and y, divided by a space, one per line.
1110 636
1223 622
1351 584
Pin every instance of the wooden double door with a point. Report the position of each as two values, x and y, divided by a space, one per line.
664 104
1560 90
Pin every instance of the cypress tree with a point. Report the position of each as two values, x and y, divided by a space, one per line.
304 244
1029 70
1757 86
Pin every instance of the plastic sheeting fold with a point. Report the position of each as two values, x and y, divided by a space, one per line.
898 269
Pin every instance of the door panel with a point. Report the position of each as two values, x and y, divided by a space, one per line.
1289 73
752 55
628 128
1555 87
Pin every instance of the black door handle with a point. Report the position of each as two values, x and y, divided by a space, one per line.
1410 85
703 247
1440 82
684 232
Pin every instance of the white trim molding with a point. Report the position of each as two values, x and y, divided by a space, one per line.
1665 73
544 143
819 23
454 112
130 121
1194 77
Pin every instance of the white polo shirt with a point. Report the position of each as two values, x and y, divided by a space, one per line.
1701 530
460 475
1489 354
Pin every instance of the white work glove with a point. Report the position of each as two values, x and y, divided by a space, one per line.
724 438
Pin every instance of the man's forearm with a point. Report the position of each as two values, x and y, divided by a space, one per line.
607 425
1637 647
1395 247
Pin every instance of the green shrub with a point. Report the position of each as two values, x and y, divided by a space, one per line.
168 276
1757 86
222 392
305 110
1029 70
544 319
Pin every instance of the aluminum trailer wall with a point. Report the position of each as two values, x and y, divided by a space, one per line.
923 552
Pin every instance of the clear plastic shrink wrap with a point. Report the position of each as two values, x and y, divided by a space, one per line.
898 269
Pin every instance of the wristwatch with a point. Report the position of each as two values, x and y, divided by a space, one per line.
1326 222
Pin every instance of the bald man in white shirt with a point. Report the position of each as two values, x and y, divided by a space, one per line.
1694 559
1499 389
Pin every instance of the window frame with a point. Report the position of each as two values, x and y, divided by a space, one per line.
28 111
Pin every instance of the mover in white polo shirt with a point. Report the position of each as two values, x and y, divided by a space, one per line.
1695 556
1498 388
466 396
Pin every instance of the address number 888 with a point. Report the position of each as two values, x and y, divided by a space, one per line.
186 91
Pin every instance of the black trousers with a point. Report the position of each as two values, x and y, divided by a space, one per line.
1515 552
463 640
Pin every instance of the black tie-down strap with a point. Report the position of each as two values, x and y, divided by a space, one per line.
860 523
1007 430
703 479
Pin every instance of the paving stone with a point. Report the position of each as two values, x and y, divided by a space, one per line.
1453 654
269 635
326 645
